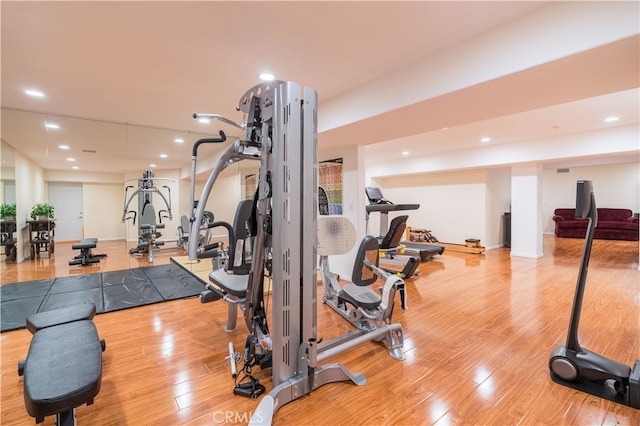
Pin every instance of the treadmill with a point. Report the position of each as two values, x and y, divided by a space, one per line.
377 203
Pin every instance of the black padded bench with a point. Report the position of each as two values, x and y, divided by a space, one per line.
63 369
86 255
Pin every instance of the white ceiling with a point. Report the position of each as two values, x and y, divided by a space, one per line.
151 65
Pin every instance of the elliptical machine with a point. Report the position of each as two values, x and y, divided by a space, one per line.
574 366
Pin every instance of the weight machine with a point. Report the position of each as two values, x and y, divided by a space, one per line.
281 131
367 310
148 227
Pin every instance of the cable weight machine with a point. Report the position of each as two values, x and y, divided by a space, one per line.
281 132
148 227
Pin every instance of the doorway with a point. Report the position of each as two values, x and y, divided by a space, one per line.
66 199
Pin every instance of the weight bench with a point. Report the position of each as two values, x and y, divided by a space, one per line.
86 255
63 369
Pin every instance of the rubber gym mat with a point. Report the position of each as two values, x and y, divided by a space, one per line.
109 291
125 296
14 313
75 283
25 289
123 277
178 287
163 271
62 300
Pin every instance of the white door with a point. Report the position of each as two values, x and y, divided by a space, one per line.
66 199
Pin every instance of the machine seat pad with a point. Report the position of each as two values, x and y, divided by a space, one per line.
83 311
235 285
360 296
84 245
63 369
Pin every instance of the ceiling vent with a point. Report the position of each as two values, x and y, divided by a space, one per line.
567 170
89 151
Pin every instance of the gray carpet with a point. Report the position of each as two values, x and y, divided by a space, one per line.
109 291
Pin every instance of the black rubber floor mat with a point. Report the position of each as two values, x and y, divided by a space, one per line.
76 283
14 313
25 289
123 277
129 295
71 298
163 271
110 291
178 287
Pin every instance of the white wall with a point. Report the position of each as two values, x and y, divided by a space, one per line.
452 205
223 199
615 186
102 204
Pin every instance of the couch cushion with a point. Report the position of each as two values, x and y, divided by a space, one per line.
606 224
575 223
615 215
566 214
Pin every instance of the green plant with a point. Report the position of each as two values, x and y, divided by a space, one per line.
7 210
42 209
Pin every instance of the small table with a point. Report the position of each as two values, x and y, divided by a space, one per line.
41 237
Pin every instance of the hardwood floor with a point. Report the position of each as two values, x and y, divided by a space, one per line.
478 333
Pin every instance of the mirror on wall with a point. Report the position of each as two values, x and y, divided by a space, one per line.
8 211
83 168
7 174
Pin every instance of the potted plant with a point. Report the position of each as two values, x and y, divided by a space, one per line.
8 212
42 211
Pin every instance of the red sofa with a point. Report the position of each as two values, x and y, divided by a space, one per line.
613 224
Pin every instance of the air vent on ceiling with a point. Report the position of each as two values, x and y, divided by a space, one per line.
89 151
567 170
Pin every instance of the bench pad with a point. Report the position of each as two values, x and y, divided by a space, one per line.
232 284
84 311
63 369
84 245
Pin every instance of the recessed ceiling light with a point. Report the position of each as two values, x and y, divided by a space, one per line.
163 155
51 126
75 167
34 93
266 76
485 139
405 152
178 140
71 159
204 120
152 165
611 119
65 147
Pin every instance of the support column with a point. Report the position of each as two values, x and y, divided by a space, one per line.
526 211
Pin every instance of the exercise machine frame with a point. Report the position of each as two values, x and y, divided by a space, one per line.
579 368
281 131
148 234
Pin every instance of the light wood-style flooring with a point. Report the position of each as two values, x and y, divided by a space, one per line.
478 333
